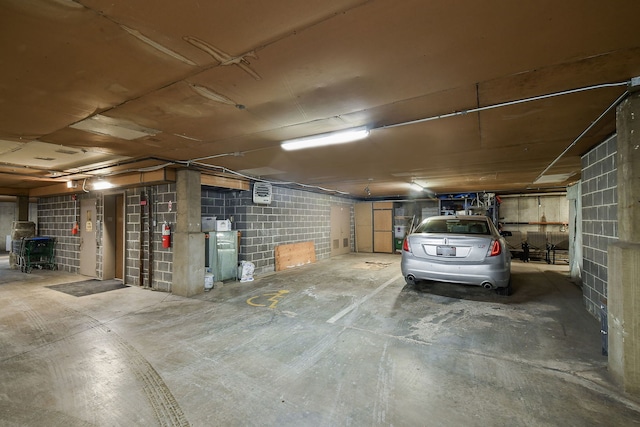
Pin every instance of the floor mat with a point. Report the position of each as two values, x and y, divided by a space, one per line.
88 287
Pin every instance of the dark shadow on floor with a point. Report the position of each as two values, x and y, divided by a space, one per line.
527 287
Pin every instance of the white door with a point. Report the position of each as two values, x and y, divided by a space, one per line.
340 230
88 228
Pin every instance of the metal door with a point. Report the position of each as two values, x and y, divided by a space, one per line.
340 230
88 227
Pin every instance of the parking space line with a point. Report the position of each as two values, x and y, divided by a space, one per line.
356 304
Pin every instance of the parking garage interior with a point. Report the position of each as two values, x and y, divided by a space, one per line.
165 259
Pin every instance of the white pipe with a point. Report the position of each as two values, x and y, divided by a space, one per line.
505 104
575 141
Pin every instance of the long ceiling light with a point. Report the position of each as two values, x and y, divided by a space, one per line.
110 126
339 137
417 187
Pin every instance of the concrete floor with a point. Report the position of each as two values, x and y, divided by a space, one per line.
342 342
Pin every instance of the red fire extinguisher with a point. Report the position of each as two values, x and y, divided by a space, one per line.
166 235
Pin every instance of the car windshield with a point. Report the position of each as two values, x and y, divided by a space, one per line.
454 226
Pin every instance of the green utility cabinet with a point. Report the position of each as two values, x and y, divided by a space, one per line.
221 254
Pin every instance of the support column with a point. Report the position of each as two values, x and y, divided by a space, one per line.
188 239
23 208
624 256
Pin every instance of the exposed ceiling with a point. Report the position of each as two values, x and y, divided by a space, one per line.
488 96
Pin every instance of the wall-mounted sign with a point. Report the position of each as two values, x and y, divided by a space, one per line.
89 224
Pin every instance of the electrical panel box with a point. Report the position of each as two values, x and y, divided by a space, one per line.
208 223
221 254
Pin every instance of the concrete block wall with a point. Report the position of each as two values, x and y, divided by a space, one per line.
56 217
159 196
133 232
599 220
213 203
293 216
164 196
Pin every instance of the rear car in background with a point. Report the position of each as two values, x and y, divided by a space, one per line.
458 249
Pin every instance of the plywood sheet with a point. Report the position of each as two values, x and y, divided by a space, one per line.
364 227
382 220
383 242
294 255
383 205
383 227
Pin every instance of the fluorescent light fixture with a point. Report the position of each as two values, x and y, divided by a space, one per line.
557 178
101 184
211 95
417 187
104 125
155 45
339 137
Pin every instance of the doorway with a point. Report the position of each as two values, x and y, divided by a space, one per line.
88 237
383 227
113 237
340 230
374 227
364 226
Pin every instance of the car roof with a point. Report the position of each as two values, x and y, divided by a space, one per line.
464 217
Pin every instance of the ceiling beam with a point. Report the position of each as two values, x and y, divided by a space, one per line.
119 181
224 182
6 191
137 179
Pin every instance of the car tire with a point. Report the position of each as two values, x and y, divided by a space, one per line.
506 291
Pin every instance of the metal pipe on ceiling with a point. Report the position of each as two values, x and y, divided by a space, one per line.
504 104
575 141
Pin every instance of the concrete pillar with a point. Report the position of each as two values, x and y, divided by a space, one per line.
23 208
188 239
623 288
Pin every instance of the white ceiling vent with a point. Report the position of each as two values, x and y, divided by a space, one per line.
262 193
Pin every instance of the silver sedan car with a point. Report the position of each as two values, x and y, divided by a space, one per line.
459 249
